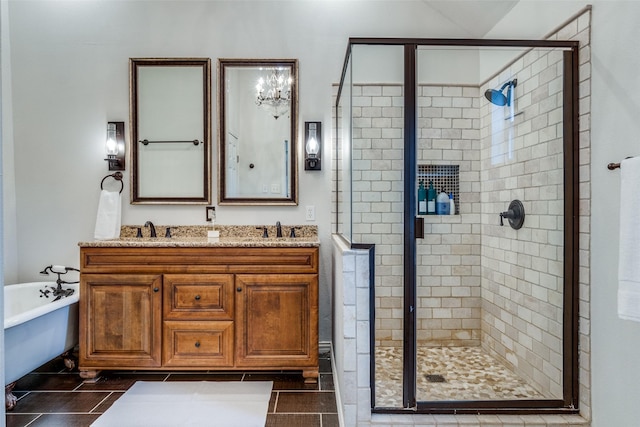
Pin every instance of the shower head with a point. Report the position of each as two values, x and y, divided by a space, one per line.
498 97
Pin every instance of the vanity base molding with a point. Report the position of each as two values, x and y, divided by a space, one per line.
181 308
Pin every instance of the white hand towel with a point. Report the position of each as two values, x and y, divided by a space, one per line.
109 216
629 257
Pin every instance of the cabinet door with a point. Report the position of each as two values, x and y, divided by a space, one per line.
277 320
120 320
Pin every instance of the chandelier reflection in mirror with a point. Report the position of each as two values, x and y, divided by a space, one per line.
274 92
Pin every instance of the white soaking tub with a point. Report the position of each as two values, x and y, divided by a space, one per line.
36 328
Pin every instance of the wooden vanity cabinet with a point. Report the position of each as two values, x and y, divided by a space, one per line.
199 308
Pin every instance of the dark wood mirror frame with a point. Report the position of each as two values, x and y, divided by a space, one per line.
195 197
224 196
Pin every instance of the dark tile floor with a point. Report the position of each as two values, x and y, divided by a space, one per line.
52 396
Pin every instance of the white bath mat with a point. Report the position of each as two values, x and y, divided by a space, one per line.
190 403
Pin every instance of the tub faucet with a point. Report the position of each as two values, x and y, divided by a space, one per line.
278 229
58 292
152 227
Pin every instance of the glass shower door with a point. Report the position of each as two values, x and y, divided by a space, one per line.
490 297
377 169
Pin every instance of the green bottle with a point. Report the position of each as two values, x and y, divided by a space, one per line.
431 199
422 199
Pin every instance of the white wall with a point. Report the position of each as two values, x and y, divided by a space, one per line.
4 85
69 77
615 135
10 253
69 67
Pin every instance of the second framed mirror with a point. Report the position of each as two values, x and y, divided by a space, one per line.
257 131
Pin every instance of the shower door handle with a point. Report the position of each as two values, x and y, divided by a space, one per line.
419 227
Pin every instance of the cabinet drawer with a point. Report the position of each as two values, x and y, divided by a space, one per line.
205 260
189 344
198 297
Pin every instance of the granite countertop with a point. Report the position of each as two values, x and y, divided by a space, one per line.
245 236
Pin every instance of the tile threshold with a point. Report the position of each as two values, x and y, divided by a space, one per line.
425 420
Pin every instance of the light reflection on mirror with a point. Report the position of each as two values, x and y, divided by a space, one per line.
257 103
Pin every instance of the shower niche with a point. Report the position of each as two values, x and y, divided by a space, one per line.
442 178
474 317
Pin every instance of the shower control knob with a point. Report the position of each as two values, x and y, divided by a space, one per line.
515 215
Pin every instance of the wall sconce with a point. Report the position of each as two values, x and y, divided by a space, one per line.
313 141
114 146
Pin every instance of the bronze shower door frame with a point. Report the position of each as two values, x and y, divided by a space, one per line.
570 399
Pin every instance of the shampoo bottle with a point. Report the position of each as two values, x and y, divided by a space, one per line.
442 204
431 199
422 199
452 205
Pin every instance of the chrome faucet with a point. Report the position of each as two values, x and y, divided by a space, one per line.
151 226
278 229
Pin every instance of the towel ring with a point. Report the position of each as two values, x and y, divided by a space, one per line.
117 176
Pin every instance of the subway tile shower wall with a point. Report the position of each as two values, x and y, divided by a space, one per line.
448 258
522 158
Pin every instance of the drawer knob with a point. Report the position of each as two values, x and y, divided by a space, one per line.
239 289
197 344
197 297
156 289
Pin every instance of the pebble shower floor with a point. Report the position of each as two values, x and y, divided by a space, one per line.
468 373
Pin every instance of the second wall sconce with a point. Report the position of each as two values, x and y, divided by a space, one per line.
313 143
114 146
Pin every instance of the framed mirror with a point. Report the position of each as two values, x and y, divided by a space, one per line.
170 130
257 131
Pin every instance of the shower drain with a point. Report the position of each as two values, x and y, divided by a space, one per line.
435 378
